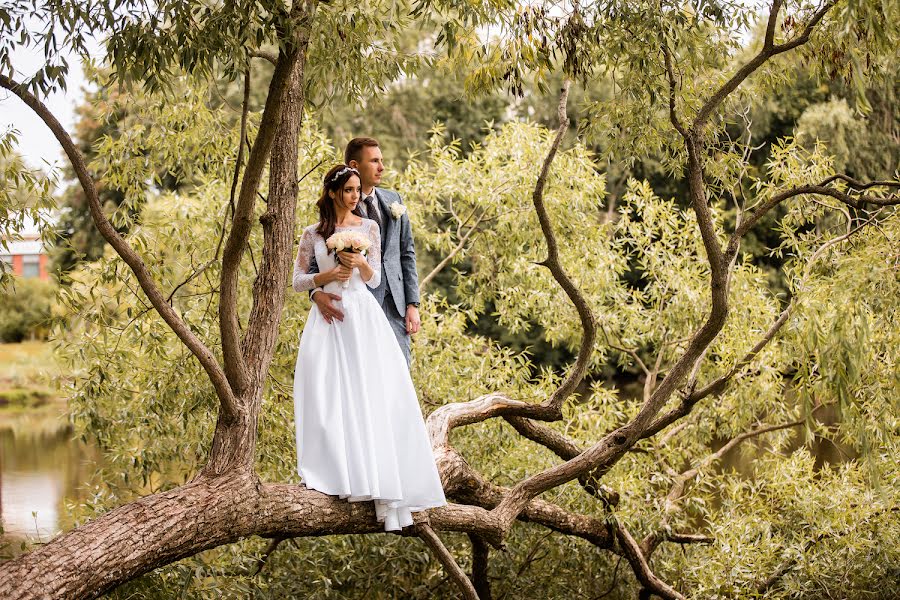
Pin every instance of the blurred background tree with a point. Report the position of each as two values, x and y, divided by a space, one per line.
25 310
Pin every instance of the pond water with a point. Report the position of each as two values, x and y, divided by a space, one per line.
40 471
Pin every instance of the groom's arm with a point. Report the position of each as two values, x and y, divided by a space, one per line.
323 299
408 261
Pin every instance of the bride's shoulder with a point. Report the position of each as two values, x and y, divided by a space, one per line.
309 235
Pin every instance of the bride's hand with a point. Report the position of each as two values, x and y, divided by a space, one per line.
340 273
352 259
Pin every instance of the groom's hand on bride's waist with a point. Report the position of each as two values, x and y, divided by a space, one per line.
324 301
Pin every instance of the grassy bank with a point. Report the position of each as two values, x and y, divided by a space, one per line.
28 398
27 365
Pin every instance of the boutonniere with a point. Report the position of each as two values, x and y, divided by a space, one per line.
397 210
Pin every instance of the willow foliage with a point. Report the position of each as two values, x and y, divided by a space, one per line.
771 505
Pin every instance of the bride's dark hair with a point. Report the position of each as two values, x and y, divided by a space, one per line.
334 180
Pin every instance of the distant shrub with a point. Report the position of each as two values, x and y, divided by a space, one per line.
23 397
25 309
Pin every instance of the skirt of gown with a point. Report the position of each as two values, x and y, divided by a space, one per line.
360 431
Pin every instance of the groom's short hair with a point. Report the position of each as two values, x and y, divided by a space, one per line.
355 147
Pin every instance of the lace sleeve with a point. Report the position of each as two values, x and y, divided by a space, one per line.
302 280
373 256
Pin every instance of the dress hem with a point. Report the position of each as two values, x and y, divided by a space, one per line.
387 507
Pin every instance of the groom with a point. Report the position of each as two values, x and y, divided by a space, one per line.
398 292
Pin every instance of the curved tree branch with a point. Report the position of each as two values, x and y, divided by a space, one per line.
606 452
822 189
859 185
772 23
266 55
768 50
719 385
555 402
641 566
566 449
670 75
443 555
229 404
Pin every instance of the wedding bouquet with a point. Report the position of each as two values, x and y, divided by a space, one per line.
347 241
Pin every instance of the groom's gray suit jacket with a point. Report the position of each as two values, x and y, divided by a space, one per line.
398 256
398 264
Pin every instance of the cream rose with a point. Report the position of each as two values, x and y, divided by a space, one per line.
397 210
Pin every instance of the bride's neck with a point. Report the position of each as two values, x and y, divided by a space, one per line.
342 217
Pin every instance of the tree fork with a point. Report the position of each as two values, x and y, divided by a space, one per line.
278 223
295 36
233 444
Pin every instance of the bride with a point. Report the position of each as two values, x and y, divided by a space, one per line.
360 432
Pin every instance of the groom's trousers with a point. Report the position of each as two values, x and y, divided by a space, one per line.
398 323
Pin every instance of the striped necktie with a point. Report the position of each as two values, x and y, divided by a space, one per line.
372 210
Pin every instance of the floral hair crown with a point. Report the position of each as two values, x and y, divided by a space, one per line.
340 173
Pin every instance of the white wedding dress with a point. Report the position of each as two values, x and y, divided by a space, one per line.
360 431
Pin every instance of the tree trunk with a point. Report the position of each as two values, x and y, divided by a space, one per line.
134 539
156 530
233 445
151 532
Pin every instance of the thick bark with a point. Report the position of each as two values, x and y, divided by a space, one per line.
234 444
234 441
133 539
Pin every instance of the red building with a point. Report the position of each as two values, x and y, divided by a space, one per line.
27 256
